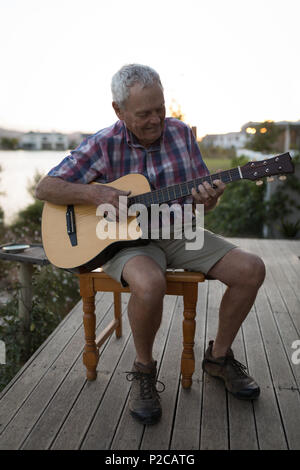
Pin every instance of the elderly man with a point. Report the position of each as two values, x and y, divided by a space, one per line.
164 149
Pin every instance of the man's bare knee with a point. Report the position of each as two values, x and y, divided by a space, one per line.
240 267
150 290
145 278
258 270
251 271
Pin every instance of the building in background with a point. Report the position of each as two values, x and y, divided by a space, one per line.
76 138
288 139
229 140
44 141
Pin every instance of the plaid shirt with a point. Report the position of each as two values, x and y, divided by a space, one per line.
114 152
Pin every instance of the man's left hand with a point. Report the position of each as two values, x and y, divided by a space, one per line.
208 195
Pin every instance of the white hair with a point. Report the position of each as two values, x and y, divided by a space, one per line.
128 76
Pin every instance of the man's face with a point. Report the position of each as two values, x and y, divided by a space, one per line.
144 113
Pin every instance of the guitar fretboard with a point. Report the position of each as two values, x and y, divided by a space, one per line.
179 190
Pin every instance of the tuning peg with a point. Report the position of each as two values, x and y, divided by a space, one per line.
282 177
270 179
259 182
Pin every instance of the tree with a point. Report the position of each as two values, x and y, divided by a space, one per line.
175 111
8 143
263 137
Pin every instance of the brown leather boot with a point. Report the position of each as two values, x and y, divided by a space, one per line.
144 402
232 372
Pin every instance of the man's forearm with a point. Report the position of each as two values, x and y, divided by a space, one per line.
58 191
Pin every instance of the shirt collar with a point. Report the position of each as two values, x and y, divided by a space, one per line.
133 141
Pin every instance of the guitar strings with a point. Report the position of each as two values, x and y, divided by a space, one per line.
179 190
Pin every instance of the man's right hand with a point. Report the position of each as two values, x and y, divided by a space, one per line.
102 194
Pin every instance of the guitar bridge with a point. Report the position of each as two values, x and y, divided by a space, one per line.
71 225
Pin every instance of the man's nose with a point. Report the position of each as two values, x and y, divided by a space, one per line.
154 118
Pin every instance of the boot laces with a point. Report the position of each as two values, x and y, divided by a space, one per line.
147 383
238 366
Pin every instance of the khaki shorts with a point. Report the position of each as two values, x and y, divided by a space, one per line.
172 253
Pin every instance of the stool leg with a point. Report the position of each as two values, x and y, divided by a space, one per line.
189 325
118 313
91 353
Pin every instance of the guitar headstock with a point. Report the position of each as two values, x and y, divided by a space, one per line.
280 165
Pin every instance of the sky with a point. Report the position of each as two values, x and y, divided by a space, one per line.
224 62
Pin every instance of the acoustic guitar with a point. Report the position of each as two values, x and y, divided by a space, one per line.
69 233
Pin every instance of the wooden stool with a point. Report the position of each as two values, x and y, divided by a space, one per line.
178 283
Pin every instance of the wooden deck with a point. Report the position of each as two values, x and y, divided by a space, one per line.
50 405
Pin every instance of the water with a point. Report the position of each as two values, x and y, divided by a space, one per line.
18 170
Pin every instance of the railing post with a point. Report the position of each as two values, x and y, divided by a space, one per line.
25 303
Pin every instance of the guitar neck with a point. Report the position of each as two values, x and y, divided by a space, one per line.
176 191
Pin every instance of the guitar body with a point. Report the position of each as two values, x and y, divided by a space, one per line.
90 251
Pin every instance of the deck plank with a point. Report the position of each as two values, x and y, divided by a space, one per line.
186 429
38 400
214 424
282 317
101 438
283 379
129 433
50 405
16 394
56 413
159 437
72 433
278 359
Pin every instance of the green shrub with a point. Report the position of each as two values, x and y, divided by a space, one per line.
9 329
26 227
55 292
241 210
284 203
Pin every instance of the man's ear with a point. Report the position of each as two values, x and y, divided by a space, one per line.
118 110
